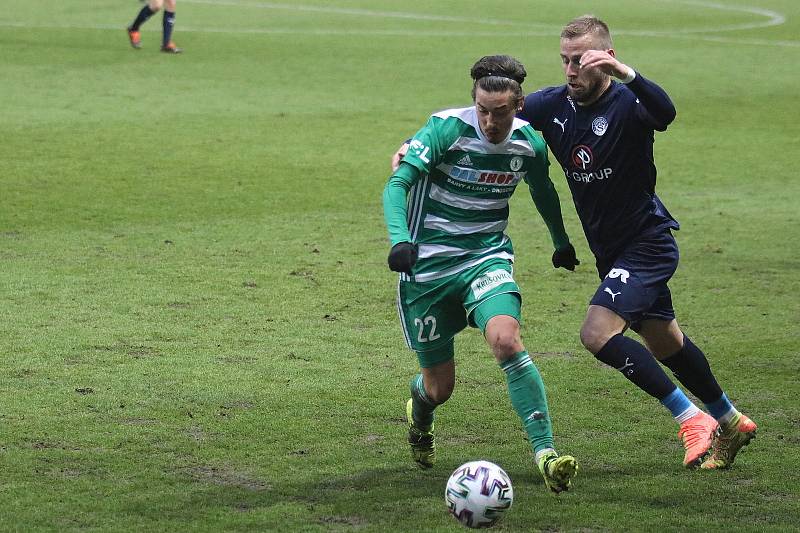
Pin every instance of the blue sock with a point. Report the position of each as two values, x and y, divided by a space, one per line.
679 405
167 24
720 408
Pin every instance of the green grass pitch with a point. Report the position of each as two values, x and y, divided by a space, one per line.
197 325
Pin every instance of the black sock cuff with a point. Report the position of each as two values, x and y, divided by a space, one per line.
673 362
608 348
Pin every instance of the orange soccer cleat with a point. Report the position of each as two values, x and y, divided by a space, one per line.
135 38
170 48
696 435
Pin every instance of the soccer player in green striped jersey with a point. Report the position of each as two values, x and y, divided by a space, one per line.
446 209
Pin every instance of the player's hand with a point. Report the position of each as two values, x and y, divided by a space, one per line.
403 257
565 258
398 156
604 61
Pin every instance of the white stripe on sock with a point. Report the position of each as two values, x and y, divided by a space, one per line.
687 414
727 417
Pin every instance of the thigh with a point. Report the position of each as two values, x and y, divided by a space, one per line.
491 287
664 338
431 314
506 304
599 326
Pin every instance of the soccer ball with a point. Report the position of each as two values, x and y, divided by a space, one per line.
478 493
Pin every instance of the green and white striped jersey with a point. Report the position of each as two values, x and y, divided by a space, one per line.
454 206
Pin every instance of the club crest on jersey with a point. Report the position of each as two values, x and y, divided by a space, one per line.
582 157
515 163
599 126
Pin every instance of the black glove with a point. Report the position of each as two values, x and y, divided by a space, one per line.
565 258
402 257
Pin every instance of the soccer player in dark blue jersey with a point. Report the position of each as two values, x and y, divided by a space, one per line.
601 131
600 126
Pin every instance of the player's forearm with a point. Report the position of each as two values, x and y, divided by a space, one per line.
654 99
545 198
395 210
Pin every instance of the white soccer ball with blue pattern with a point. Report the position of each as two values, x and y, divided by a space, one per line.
478 494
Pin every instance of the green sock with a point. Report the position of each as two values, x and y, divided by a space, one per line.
526 390
421 406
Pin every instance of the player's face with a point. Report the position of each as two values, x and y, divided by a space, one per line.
583 85
496 111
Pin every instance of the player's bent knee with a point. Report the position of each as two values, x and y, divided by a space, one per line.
506 346
593 338
502 335
439 393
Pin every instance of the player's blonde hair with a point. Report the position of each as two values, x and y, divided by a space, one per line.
589 25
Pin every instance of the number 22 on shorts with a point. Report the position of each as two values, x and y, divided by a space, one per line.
426 325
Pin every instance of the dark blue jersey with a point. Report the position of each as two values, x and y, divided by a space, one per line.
606 152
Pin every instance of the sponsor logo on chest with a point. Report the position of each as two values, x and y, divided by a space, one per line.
483 177
582 160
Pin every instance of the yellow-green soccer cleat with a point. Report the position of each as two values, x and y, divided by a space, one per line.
558 471
423 448
728 440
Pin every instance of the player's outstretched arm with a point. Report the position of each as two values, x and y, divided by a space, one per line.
403 254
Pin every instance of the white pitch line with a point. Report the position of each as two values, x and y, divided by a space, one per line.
391 33
774 19
366 13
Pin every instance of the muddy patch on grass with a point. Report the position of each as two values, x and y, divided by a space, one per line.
236 359
551 355
227 477
352 521
137 351
139 421
196 433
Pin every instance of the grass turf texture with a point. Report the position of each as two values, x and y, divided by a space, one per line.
198 328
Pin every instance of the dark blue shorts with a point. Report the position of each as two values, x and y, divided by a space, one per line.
634 286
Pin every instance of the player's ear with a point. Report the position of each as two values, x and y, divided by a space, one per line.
520 105
612 53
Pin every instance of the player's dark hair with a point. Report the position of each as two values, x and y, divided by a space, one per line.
588 25
498 73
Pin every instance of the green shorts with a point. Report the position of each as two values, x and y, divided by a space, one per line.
433 312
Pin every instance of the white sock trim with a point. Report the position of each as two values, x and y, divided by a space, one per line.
688 413
540 453
727 417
